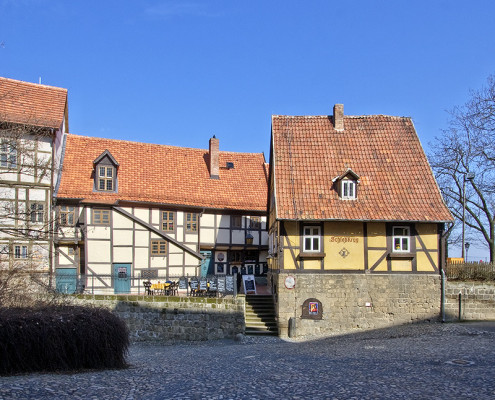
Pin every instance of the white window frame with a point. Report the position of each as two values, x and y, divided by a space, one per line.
20 251
348 189
313 236
401 241
8 154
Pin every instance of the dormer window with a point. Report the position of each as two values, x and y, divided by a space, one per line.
346 185
348 190
105 173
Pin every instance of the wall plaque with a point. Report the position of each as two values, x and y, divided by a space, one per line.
312 309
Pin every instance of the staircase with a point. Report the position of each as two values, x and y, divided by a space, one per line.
260 315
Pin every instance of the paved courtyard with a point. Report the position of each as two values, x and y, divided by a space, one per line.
429 361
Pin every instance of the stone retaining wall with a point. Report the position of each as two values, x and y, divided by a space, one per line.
477 300
357 301
168 318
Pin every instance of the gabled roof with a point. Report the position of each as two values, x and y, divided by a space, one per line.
32 104
395 180
166 175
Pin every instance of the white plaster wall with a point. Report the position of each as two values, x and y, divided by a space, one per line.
122 254
180 233
207 235
238 237
180 218
190 271
98 251
207 220
102 269
223 236
141 256
7 193
155 217
122 237
63 260
120 221
158 262
99 232
190 259
223 221
21 194
143 214
175 272
175 259
264 238
190 237
37 194
142 238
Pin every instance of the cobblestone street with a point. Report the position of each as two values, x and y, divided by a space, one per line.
449 361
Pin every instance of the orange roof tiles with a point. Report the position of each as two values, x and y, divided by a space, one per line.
165 174
395 180
32 104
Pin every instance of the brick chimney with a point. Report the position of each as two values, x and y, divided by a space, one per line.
338 117
214 156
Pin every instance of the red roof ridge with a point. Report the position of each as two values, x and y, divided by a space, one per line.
33 84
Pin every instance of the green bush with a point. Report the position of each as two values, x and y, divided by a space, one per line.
61 338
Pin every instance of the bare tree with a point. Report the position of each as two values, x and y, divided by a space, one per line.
463 160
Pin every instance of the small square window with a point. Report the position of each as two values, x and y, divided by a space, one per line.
254 222
236 221
311 238
101 217
8 154
158 248
20 252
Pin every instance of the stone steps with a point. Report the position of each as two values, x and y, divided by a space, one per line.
260 318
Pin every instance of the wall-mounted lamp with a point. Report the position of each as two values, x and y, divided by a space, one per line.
249 238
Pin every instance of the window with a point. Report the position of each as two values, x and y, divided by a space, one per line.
67 215
254 222
71 251
37 213
20 251
158 248
311 238
401 239
106 179
236 221
191 222
168 221
8 154
101 217
348 189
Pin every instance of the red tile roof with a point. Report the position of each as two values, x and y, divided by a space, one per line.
395 180
165 174
32 104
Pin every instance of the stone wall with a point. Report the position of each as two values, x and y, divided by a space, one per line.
167 318
477 300
352 302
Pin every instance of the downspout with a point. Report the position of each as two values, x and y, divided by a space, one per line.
444 281
443 242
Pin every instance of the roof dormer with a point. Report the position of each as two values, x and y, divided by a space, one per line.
105 173
346 184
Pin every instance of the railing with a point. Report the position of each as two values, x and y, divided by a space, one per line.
470 271
157 285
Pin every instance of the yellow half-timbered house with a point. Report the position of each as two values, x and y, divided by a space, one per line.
355 222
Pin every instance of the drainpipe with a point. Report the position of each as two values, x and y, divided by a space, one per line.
443 294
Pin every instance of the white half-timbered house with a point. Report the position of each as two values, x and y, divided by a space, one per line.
33 119
146 210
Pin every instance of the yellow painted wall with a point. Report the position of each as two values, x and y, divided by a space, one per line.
292 229
343 245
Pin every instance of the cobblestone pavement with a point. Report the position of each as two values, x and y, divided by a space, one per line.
428 361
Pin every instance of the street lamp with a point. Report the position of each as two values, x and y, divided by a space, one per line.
467 248
468 176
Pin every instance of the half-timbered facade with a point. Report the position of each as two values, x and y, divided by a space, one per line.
351 198
33 119
147 210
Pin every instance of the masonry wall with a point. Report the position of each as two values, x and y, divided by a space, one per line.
477 301
353 302
163 318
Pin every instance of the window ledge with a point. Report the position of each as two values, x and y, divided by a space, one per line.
404 256
308 254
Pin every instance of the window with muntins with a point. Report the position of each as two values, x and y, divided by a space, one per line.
254 222
236 221
400 239
168 219
106 178
8 154
67 214
20 251
101 217
37 212
158 248
311 239
348 190
191 222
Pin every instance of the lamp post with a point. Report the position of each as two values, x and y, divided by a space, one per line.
468 176
466 245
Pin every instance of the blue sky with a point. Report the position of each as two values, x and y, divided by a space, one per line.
177 72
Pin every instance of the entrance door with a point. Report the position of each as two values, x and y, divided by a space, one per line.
122 280
206 268
66 280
